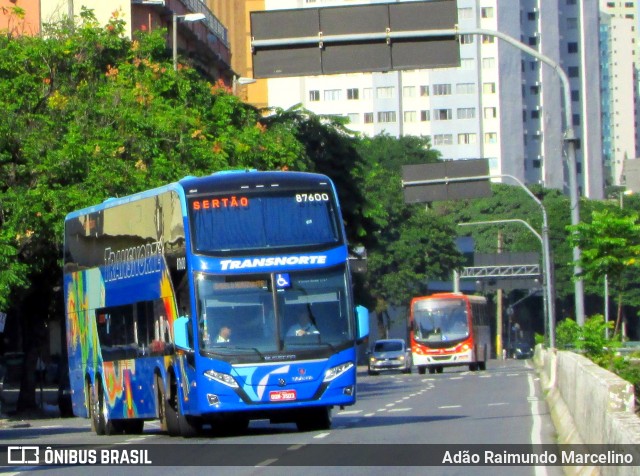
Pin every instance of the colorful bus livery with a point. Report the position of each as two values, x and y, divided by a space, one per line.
179 301
449 329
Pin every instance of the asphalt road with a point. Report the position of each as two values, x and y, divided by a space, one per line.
398 424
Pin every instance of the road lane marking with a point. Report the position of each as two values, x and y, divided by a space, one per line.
266 462
322 435
390 405
536 427
349 412
399 410
446 407
369 414
497 404
295 447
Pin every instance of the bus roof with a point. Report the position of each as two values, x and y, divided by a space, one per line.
229 180
468 297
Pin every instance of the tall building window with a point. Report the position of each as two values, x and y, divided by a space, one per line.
465 88
490 138
466 113
488 63
442 114
466 39
314 95
368 118
332 95
442 139
387 116
441 89
467 63
385 92
409 116
408 91
486 12
487 39
535 90
489 88
466 138
576 119
573 71
353 94
424 91
533 40
465 12
425 115
367 93
572 23
575 95
532 16
354 118
572 47
490 113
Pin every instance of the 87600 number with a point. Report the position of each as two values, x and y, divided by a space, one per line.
312 197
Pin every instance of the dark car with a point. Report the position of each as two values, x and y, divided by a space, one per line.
389 354
521 350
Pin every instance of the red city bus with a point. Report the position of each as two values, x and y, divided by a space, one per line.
449 329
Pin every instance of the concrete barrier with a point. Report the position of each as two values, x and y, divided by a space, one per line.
589 405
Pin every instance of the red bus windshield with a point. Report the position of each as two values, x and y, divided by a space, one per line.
440 320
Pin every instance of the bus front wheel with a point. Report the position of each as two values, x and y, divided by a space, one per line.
315 419
166 412
100 421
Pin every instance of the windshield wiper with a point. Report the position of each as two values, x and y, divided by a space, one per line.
220 350
293 344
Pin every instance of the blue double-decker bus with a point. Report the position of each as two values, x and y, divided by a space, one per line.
212 301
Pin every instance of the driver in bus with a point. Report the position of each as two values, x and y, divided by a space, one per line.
304 325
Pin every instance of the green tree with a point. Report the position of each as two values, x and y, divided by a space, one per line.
89 114
610 244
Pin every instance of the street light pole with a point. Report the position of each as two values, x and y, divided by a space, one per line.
189 17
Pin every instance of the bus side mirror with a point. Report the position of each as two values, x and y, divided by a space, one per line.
181 333
362 315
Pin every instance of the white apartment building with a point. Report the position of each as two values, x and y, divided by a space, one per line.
620 61
500 104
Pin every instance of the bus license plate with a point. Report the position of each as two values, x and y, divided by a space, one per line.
282 395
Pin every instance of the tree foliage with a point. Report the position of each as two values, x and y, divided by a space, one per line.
411 245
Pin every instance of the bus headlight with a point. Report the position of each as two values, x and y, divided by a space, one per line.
225 379
336 371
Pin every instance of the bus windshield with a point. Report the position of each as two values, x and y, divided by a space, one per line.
440 320
259 221
261 314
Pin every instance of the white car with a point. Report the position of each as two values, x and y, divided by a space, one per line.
389 354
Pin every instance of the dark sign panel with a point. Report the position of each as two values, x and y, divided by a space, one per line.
452 180
305 41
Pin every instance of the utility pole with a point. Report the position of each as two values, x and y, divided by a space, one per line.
499 307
